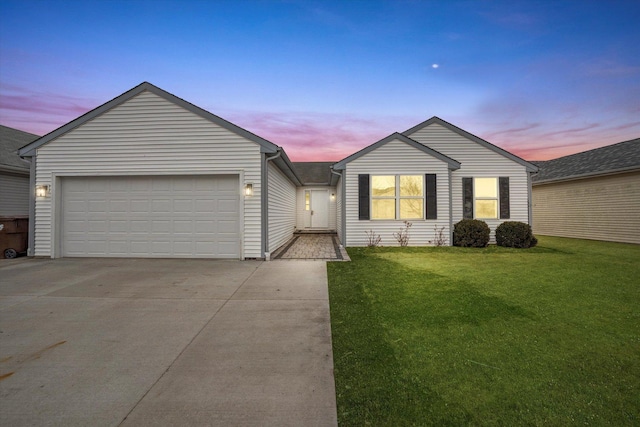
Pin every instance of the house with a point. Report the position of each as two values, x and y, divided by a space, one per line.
150 175
432 175
590 195
14 173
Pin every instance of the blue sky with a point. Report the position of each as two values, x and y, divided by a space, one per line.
325 78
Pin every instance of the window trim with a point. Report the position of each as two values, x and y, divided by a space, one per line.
398 197
476 198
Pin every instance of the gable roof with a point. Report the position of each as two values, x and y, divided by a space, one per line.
342 164
621 157
530 166
10 141
265 146
318 173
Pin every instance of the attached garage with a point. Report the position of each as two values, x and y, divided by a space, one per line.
150 175
151 216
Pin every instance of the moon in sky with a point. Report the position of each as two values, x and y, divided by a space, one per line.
435 66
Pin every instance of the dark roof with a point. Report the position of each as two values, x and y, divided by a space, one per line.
318 173
620 157
10 141
530 167
341 165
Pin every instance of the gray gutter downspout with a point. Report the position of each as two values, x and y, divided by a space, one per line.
264 198
530 198
343 219
450 208
32 207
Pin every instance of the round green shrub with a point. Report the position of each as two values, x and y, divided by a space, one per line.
471 233
515 234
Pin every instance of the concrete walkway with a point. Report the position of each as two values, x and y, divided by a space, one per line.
165 342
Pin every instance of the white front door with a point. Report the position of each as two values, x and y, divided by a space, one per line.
319 209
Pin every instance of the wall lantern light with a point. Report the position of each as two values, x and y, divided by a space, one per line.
248 190
333 196
42 190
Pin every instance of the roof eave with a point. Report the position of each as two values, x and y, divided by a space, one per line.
342 164
29 149
529 166
14 170
587 175
285 165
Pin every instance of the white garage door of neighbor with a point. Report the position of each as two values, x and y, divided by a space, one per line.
195 216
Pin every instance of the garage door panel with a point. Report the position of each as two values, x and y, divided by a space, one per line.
139 206
93 226
118 206
181 216
140 185
185 227
161 205
140 226
118 226
139 248
183 206
226 206
159 227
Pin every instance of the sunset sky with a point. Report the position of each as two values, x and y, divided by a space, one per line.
323 79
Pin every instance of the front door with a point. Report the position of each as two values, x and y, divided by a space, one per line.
319 209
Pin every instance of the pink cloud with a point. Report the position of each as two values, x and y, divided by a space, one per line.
315 136
39 112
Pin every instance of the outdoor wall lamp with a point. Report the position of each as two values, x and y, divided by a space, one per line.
42 190
248 190
333 196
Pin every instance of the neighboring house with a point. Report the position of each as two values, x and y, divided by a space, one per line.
590 195
150 175
14 173
433 175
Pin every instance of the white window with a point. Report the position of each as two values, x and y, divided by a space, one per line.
397 197
486 198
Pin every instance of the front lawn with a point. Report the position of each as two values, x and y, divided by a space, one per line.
494 336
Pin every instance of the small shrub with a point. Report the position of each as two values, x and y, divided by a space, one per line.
440 238
471 233
515 234
403 235
373 239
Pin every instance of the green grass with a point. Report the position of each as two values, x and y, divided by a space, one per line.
494 336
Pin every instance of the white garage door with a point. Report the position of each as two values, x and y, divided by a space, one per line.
151 216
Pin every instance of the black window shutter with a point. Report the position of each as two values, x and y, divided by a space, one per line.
432 200
363 196
467 198
504 197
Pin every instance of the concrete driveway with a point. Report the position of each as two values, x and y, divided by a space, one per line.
165 342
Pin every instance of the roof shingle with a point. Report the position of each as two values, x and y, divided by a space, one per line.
10 141
617 157
318 173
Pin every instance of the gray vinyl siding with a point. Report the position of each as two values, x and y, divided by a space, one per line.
599 208
282 208
478 161
148 135
395 158
339 211
14 195
303 219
